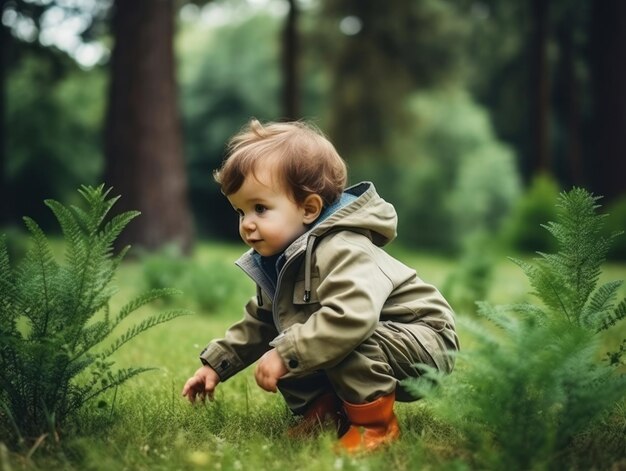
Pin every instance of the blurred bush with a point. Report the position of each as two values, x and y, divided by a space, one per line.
472 276
452 178
164 268
523 230
212 285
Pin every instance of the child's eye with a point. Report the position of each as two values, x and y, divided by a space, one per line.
259 208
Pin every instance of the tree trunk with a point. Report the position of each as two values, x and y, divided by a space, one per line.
143 144
540 86
291 108
572 108
606 161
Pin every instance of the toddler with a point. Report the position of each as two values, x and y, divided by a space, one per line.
337 322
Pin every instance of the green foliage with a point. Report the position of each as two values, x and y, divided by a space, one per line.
219 95
444 187
566 281
537 205
53 117
616 221
164 268
424 48
53 315
472 276
534 381
213 285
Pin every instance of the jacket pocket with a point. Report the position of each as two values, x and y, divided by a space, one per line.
298 291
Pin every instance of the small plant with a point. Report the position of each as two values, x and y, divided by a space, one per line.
566 281
536 380
52 316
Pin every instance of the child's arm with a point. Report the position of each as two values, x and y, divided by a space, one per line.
202 383
243 343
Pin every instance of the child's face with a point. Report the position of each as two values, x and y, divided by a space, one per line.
268 219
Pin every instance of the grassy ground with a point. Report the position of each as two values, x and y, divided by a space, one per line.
147 425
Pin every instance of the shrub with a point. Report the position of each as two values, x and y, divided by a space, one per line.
537 205
164 268
445 161
216 285
535 382
53 316
211 285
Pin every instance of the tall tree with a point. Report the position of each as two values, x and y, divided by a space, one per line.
381 52
540 87
607 158
143 144
290 53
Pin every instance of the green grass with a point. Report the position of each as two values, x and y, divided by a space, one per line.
148 425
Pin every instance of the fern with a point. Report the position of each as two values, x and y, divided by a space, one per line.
55 316
566 281
533 381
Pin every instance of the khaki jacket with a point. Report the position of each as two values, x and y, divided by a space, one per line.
335 286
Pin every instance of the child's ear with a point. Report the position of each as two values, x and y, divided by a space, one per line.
312 206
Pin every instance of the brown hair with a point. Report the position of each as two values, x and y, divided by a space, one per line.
305 161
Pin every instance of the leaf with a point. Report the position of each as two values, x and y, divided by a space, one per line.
599 304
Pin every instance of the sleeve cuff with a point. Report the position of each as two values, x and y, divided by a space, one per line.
224 363
286 348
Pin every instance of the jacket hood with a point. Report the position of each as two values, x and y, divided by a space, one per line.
360 209
363 211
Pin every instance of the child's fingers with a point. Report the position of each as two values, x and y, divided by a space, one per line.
209 388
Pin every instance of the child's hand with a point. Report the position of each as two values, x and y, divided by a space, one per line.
269 370
202 384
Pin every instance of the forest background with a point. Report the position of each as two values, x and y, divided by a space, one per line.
469 115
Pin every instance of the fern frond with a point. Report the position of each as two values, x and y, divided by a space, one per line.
41 268
99 205
600 303
612 318
142 300
110 380
8 293
114 227
495 314
72 231
141 327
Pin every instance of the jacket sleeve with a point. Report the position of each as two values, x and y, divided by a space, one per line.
351 293
243 343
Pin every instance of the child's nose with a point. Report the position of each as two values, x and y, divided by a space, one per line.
247 223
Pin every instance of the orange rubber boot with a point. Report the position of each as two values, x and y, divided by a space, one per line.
372 425
325 410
